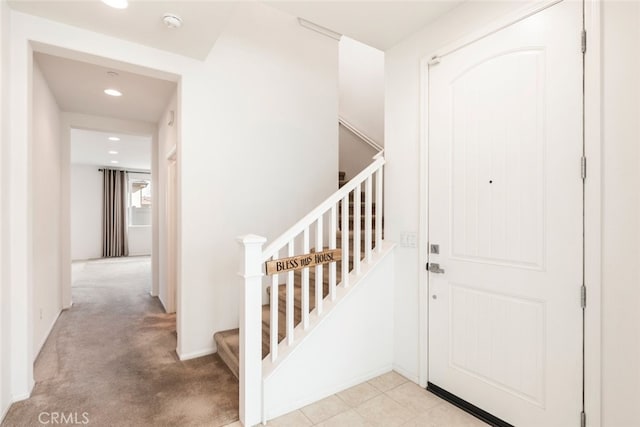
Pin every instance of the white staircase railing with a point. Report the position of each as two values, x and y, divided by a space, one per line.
365 138
322 225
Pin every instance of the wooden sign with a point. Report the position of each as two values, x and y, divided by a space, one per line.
299 262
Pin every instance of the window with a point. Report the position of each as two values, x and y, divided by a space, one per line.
139 200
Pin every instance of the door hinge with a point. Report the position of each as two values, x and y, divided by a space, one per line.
583 419
583 167
583 296
583 41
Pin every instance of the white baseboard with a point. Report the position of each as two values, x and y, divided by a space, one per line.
14 399
4 411
408 375
19 397
195 354
46 337
327 392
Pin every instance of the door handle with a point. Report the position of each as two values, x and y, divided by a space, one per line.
435 268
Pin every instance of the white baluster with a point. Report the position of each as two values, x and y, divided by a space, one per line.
305 281
367 219
345 241
290 298
273 313
379 191
250 381
333 229
319 268
357 206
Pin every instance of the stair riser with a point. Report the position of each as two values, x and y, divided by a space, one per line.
363 209
363 236
363 222
282 307
297 300
362 196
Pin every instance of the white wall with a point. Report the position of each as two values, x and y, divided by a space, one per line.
167 140
238 121
402 151
46 189
240 170
86 212
362 87
355 154
139 240
620 214
5 373
352 344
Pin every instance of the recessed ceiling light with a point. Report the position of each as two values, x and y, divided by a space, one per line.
113 92
114 138
172 20
114 161
113 152
117 4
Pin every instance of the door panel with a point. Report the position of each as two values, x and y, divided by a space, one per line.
505 207
497 205
499 340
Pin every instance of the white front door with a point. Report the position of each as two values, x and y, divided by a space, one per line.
505 209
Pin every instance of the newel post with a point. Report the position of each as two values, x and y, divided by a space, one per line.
251 330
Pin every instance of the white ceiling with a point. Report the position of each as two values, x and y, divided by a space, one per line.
78 87
377 23
380 24
92 148
142 22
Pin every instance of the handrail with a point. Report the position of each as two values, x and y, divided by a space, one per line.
323 207
351 128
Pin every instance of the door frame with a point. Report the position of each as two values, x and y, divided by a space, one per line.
29 33
171 226
593 196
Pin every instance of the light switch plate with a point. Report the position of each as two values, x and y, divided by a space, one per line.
409 240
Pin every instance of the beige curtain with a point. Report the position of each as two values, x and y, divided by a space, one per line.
114 214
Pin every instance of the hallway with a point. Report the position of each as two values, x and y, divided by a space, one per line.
111 360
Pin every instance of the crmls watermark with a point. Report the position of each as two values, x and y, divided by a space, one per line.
68 418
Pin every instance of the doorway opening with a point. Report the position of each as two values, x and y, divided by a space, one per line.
101 134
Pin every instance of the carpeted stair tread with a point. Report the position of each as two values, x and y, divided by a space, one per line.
228 343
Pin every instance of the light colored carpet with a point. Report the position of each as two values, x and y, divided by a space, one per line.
112 356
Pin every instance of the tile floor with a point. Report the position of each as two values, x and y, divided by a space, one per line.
387 401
